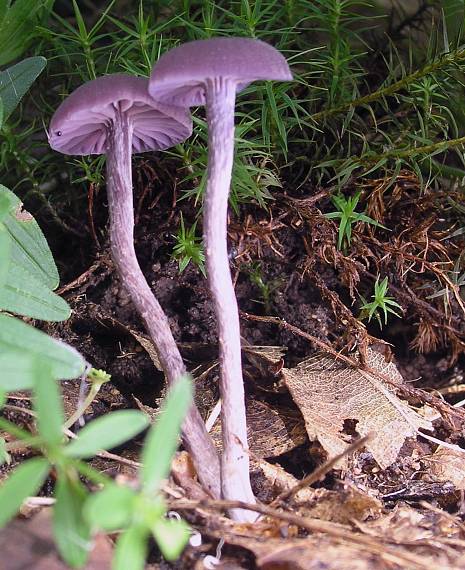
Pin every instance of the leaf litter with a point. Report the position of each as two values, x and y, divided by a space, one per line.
390 507
329 393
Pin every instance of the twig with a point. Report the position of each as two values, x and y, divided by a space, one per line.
83 277
451 58
93 188
214 414
405 389
33 502
406 560
320 471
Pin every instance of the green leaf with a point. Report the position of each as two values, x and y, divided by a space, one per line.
107 432
110 509
16 80
24 295
131 549
5 248
5 205
29 246
17 371
333 215
25 481
368 220
162 439
453 11
47 404
70 529
172 537
17 26
5 457
4 6
18 341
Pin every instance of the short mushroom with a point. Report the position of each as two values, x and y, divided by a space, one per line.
115 115
211 72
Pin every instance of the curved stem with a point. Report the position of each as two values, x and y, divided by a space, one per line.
81 410
121 210
235 477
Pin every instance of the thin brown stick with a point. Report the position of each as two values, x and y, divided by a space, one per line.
320 471
81 279
405 389
406 560
93 188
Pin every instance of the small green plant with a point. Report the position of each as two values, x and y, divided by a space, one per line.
253 176
381 304
76 513
29 359
266 288
71 532
18 22
188 248
347 217
141 513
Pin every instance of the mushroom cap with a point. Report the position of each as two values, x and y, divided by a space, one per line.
180 74
80 124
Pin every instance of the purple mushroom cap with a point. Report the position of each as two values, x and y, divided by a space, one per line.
179 76
80 124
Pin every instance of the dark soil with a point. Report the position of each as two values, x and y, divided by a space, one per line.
308 283
281 256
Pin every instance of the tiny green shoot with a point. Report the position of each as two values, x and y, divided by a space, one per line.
188 248
381 304
347 217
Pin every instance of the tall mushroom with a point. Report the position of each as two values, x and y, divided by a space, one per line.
211 72
115 115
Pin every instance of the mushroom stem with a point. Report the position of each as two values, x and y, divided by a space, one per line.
120 203
235 477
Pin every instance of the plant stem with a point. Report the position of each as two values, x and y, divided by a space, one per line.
426 149
235 477
436 65
120 203
429 150
93 391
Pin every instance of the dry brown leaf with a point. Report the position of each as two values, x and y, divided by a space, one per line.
319 552
270 354
271 430
328 392
343 506
184 475
410 525
148 346
313 554
447 465
280 481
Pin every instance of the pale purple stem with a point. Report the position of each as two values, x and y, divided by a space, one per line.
235 476
120 203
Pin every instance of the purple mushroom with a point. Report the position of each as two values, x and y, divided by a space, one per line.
115 115
211 72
